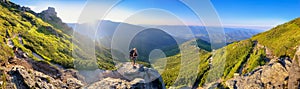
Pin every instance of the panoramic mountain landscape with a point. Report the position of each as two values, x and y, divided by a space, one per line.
39 50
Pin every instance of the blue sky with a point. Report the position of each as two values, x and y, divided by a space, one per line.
265 13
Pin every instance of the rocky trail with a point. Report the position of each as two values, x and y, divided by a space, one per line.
25 73
20 52
197 82
22 72
279 73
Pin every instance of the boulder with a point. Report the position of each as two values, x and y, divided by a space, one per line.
282 73
73 83
112 83
294 78
128 77
21 77
24 78
139 71
273 75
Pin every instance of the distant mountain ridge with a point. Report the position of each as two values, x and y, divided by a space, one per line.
107 28
232 34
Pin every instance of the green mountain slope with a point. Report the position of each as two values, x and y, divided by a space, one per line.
52 42
244 56
173 64
38 36
282 39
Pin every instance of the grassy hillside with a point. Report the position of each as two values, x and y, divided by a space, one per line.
48 40
38 36
174 64
235 55
5 52
172 70
282 39
173 50
243 56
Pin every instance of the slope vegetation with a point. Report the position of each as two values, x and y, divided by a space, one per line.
283 39
242 57
35 33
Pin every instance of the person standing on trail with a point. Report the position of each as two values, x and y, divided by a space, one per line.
133 55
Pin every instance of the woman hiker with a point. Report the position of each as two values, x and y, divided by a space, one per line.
133 55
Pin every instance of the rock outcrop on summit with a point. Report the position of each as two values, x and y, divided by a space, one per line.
129 77
50 16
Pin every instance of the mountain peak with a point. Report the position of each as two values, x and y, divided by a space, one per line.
50 16
50 12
